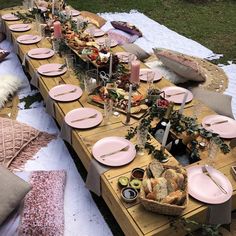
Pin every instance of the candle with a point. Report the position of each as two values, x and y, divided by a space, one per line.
110 67
135 69
57 29
165 136
183 103
130 96
53 7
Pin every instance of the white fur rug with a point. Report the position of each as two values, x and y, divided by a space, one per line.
9 84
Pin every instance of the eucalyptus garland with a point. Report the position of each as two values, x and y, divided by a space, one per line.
179 124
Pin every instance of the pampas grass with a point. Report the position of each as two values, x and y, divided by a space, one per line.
9 84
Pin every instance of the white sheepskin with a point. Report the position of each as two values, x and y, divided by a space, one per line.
9 84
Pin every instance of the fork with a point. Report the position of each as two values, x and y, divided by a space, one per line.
174 94
85 118
21 27
124 149
216 123
206 172
60 94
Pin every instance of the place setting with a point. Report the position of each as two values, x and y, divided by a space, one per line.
52 69
176 94
29 39
150 75
20 27
83 118
41 53
114 151
208 185
10 17
65 92
224 126
126 57
71 12
102 41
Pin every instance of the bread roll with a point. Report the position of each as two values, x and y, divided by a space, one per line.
173 198
147 186
156 168
160 189
170 174
180 180
172 186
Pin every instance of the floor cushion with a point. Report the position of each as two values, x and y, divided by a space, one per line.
136 50
126 27
12 190
181 64
121 37
19 142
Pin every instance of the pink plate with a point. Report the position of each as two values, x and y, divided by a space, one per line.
144 72
41 53
101 41
112 144
73 12
98 33
20 27
124 56
225 130
176 98
201 187
81 113
10 17
28 39
51 70
65 92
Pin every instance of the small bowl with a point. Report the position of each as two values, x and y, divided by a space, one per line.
137 173
129 194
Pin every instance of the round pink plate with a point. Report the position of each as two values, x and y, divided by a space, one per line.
28 39
83 113
178 98
124 56
10 17
112 144
144 73
73 12
225 130
51 70
41 53
65 92
101 41
201 187
20 27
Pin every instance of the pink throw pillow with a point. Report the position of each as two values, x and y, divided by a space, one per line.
121 37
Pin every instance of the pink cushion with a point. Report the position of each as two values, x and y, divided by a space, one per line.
121 37
181 64
19 142
126 27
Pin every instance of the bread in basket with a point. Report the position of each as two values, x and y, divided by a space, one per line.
164 189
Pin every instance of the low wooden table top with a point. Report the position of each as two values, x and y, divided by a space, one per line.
133 218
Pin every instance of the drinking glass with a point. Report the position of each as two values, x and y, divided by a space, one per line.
108 110
26 4
90 80
212 152
55 45
70 62
150 78
42 28
142 133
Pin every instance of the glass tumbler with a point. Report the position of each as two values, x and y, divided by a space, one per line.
142 133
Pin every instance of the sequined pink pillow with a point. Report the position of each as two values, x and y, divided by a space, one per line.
43 211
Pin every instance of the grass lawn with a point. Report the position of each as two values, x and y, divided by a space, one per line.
211 23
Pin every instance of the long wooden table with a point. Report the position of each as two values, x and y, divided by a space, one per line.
132 218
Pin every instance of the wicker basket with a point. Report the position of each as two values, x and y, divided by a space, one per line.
164 208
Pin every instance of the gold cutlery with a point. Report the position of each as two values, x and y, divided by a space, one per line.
20 27
60 94
174 94
85 118
58 70
216 123
124 149
206 172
